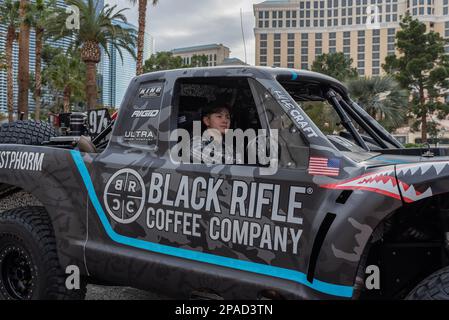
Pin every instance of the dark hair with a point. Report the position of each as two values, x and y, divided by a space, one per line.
215 108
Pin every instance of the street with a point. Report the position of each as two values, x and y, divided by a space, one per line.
95 292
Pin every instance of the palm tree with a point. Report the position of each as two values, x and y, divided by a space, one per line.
97 30
41 11
24 57
141 34
336 65
3 65
9 16
382 97
66 74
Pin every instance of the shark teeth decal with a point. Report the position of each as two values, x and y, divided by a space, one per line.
385 182
409 194
379 182
414 169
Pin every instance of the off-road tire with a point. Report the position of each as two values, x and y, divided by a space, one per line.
434 287
32 133
29 264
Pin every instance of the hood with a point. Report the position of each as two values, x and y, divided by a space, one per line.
390 159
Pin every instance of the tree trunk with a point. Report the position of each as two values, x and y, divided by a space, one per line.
24 62
424 127
422 99
91 85
10 75
141 35
38 74
66 101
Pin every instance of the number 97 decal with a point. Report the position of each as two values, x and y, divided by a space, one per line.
98 121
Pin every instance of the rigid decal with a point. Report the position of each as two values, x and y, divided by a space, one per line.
128 199
145 114
28 161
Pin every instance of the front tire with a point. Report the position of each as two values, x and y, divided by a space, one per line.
434 287
29 264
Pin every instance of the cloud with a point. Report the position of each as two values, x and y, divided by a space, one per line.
182 23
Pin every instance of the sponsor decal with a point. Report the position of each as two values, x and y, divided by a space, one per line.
124 196
145 114
98 120
139 135
152 92
289 106
192 207
27 161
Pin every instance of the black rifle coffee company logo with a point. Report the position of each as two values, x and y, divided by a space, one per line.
124 196
150 92
255 216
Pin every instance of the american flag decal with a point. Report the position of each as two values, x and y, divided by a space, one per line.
324 167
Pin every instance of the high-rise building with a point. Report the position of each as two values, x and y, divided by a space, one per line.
116 72
291 33
148 48
215 53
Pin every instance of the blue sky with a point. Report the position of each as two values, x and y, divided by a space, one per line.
182 23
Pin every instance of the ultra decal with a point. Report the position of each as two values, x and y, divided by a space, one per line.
139 135
195 209
27 161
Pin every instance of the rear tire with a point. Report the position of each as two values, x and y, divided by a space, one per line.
434 287
33 133
29 264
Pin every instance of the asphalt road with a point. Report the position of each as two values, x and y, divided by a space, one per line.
119 293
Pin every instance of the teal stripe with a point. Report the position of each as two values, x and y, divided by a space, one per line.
294 75
328 288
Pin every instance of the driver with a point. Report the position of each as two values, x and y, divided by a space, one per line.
210 148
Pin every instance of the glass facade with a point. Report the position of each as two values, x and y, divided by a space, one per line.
47 98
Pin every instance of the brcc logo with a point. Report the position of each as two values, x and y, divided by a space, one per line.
124 196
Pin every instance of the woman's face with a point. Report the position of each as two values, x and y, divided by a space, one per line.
220 121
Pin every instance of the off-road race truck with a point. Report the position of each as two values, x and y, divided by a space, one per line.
343 201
